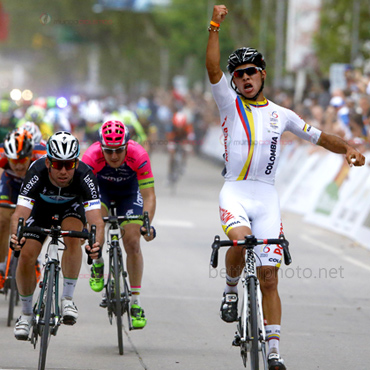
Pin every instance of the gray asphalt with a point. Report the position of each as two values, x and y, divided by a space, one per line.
325 295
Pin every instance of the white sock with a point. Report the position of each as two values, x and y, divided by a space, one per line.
135 295
273 337
69 286
26 301
231 284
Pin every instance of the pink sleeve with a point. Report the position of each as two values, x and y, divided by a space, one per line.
138 160
94 158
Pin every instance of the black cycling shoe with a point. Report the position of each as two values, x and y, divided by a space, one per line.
229 307
275 362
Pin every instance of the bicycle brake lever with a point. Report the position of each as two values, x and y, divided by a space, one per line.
215 248
19 235
92 240
146 224
287 256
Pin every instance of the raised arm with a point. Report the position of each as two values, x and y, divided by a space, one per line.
336 145
213 46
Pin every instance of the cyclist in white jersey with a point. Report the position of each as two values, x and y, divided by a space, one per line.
252 127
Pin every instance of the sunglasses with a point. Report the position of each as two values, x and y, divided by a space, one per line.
16 161
117 151
58 165
250 71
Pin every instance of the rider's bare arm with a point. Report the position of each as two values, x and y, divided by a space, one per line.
336 145
213 46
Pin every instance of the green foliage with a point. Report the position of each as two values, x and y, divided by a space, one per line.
333 41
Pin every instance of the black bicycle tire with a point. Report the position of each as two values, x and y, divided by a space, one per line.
118 305
253 321
13 290
44 342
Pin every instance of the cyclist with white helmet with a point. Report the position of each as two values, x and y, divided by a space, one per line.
34 130
124 175
16 154
252 127
36 114
56 184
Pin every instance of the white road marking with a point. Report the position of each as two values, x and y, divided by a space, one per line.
335 251
175 223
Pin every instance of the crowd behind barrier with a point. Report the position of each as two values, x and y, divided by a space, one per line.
311 182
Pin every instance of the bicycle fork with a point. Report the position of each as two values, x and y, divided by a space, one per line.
49 282
242 335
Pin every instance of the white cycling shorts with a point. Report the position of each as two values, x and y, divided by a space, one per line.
253 204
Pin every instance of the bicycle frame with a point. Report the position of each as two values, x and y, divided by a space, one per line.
47 318
117 289
251 334
245 338
52 258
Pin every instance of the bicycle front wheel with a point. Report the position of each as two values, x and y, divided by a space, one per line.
13 292
253 324
117 297
45 320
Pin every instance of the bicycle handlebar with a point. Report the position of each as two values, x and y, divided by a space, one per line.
249 242
21 229
144 218
8 205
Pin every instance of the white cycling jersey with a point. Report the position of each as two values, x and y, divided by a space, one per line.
252 132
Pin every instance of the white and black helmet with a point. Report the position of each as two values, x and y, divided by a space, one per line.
34 130
63 146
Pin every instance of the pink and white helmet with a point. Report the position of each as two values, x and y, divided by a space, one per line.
113 133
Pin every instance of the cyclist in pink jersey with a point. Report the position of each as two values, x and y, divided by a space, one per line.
252 128
124 174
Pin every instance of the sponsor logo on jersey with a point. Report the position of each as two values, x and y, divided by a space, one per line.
306 128
143 164
91 203
225 215
90 183
274 119
272 158
30 185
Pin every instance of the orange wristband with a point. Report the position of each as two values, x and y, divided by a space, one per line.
214 24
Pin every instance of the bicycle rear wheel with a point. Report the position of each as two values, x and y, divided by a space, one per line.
253 324
47 315
117 298
13 291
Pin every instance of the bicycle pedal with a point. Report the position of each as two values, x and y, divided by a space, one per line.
103 304
236 341
68 320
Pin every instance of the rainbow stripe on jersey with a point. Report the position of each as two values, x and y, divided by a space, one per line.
247 120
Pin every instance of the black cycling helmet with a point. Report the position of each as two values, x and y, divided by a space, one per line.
243 56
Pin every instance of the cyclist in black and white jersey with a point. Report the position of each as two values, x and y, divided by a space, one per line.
252 127
55 184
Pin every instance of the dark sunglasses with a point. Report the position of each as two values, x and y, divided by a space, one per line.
250 71
16 161
58 165
111 151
